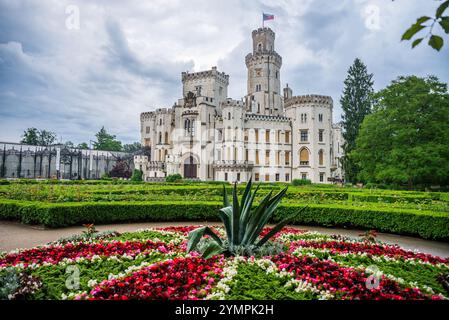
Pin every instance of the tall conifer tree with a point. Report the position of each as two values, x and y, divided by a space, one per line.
356 103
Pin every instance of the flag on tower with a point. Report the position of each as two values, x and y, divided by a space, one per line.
267 16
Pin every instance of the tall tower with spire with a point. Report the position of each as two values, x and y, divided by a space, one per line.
264 85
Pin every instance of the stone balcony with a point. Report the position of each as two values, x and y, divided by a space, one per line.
234 164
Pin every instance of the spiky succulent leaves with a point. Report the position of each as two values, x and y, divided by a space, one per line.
225 198
247 205
255 218
271 207
212 249
278 227
235 217
196 235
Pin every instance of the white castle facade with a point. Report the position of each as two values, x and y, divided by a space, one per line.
269 135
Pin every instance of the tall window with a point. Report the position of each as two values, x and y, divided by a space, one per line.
321 157
246 134
267 177
321 176
257 156
320 117
320 135
256 177
277 177
267 136
287 177
160 137
258 87
287 136
278 135
304 157
246 154
287 158
304 136
278 157
166 138
148 129
303 117
267 158
256 132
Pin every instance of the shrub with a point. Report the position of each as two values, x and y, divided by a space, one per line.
137 175
425 224
301 182
173 178
106 176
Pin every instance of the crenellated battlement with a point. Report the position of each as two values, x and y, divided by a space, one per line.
213 73
144 116
263 57
233 103
307 99
263 30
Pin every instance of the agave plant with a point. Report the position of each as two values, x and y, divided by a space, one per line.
243 224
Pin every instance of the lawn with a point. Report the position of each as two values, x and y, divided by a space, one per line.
154 264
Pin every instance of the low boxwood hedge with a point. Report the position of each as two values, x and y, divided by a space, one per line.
425 224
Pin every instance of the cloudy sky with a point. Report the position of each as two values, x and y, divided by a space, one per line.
126 57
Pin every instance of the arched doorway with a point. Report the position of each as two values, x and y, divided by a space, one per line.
190 168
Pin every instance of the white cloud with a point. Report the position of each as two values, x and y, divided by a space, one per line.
127 57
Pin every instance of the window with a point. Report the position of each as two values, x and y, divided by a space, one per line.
256 132
320 157
259 47
277 177
198 91
287 158
258 87
304 135
166 138
147 129
277 74
287 177
246 155
320 117
278 136
226 176
278 157
267 158
246 135
267 177
304 176
160 137
257 156
303 117
304 157
238 176
320 135
256 177
258 107
321 176
267 136
220 91
229 116
160 121
287 136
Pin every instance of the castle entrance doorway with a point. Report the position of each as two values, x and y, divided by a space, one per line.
190 167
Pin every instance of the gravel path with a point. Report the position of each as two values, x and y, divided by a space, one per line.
14 235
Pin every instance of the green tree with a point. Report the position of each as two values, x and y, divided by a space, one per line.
356 103
82 145
69 144
427 25
405 139
137 175
30 136
35 137
133 147
106 141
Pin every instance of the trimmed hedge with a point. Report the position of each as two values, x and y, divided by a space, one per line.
425 224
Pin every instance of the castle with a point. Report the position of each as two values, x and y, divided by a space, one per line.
269 135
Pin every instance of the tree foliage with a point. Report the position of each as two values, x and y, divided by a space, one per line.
356 103
37 137
131 148
120 170
106 141
405 140
428 24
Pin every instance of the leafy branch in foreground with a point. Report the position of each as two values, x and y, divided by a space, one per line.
243 224
435 41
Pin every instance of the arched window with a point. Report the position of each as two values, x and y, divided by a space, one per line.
160 121
259 47
304 157
166 137
229 116
160 137
321 157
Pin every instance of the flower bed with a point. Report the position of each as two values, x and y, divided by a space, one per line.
154 264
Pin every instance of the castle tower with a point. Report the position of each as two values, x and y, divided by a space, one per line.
264 85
